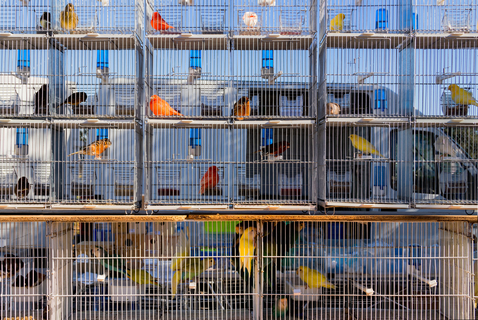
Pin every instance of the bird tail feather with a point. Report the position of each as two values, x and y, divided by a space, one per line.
475 103
328 285
78 152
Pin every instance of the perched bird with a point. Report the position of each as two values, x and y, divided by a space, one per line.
281 307
242 108
110 263
337 23
40 98
444 145
68 17
45 21
34 279
250 19
191 269
209 180
10 265
313 278
22 188
159 107
184 250
95 148
333 108
75 99
274 149
247 245
461 96
363 145
158 23
286 236
141 277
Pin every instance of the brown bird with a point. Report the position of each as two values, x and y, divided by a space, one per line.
40 98
10 265
34 278
68 17
22 188
242 108
274 149
75 99
94 149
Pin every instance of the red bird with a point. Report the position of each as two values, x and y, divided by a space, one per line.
158 23
210 179
275 149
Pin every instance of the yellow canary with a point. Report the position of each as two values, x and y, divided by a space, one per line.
242 108
363 145
313 278
337 23
68 17
461 96
184 250
95 148
247 245
142 277
189 270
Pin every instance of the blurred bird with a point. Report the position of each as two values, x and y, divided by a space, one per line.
337 23
444 145
141 277
116 265
242 108
247 245
9 266
461 96
209 180
313 278
159 107
22 188
363 145
94 149
20 282
191 269
333 108
274 149
267 2
250 19
68 17
75 99
440 2
34 279
40 98
184 250
281 307
45 21
158 23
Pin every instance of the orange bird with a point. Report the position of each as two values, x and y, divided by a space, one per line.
158 23
210 179
242 108
159 107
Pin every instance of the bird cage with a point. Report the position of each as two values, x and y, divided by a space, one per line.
271 17
186 17
274 163
369 78
25 161
187 163
438 16
109 17
443 89
348 16
445 165
96 163
365 165
27 17
24 77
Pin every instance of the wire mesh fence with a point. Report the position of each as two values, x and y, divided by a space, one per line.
237 270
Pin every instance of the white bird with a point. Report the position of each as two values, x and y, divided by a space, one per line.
250 19
105 3
445 146
267 2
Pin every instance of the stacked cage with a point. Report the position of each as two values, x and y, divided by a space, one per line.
71 104
390 104
231 122
237 270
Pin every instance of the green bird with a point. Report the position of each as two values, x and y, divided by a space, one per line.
189 270
281 307
114 265
142 277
